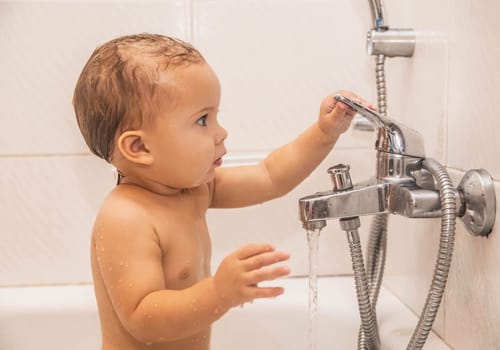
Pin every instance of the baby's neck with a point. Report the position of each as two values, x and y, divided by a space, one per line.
156 188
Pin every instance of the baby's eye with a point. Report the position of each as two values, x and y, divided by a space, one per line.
202 121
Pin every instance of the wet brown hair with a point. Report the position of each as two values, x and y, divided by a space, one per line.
117 85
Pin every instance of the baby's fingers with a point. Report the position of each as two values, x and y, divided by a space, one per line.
265 259
265 292
257 276
253 249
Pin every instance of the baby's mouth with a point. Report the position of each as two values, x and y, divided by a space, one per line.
218 161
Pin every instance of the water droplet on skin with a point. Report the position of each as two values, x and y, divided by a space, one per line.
216 311
150 316
101 237
110 268
102 249
149 343
121 262
162 339
130 284
155 305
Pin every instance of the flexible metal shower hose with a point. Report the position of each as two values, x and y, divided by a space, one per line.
377 243
445 252
377 247
369 330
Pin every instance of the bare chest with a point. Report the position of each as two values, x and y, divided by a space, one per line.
185 245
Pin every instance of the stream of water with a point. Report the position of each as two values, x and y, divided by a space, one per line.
313 240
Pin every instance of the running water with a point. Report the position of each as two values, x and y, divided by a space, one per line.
313 238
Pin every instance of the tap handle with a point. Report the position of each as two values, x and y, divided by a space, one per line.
377 119
394 138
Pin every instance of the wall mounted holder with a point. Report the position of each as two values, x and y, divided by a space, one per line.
478 191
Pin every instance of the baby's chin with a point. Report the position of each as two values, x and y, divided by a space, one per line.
205 179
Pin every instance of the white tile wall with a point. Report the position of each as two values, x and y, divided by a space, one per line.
474 85
277 59
48 206
44 46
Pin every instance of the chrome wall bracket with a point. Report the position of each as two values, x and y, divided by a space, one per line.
391 42
386 42
478 191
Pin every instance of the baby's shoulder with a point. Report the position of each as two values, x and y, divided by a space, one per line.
120 216
124 205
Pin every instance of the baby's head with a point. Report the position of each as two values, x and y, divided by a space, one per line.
118 86
148 104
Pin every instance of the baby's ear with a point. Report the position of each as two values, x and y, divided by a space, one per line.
132 147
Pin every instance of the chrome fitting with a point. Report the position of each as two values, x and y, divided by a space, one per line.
314 225
391 42
340 176
350 224
477 190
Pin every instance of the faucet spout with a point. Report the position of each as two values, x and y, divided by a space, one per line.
363 199
370 198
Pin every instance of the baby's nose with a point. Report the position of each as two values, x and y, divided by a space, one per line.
221 135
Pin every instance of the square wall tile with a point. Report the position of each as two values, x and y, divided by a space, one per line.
49 208
277 60
474 83
44 47
277 221
472 303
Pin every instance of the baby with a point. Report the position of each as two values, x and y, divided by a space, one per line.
148 105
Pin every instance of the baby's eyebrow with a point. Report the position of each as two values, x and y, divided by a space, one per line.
206 109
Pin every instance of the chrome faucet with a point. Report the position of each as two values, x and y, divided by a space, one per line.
401 184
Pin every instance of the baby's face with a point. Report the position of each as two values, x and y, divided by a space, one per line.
186 139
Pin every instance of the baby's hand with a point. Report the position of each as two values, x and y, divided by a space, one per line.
335 117
237 277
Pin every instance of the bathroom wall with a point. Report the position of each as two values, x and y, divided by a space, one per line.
276 59
448 91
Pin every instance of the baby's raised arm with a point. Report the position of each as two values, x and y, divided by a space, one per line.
284 168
